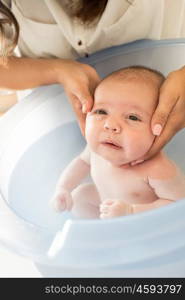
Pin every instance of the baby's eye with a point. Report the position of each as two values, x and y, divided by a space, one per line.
133 118
100 112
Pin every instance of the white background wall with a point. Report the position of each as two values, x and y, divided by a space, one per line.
12 265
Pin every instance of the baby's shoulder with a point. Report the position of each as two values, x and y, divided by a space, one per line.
86 154
161 167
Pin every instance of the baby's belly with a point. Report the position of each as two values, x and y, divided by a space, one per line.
131 195
129 189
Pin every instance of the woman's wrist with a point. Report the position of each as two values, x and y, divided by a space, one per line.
56 69
65 69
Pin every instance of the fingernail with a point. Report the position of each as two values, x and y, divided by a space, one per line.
139 161
157 129
84 109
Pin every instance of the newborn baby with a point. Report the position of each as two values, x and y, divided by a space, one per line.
118 132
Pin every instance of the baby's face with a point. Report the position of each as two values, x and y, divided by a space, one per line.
119 126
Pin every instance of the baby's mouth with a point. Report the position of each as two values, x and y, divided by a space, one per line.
111 144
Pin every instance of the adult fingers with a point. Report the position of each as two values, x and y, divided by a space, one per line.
167 102
175 122
77 107
85 99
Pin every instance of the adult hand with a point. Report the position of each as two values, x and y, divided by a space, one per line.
79 81
169 116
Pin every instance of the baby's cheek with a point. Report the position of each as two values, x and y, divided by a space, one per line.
88 128
145 143
91 133
138 144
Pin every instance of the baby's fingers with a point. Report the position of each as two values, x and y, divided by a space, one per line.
58 203
105 216
104 208
62 200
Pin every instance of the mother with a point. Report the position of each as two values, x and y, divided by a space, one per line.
53 33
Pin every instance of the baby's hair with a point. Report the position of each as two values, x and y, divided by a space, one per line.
138 72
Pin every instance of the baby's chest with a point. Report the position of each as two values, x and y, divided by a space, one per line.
120 183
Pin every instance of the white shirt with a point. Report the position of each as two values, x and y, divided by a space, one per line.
48 31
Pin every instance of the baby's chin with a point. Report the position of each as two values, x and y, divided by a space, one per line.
118 158
119 161
115 160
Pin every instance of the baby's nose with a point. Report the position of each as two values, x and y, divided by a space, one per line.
112 125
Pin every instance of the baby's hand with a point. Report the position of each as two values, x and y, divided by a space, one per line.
111 208
61 200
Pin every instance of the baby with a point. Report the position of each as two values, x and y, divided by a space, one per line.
118 132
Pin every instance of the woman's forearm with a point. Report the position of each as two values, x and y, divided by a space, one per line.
25 73
79 80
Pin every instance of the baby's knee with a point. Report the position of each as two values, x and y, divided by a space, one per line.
79 195
85 201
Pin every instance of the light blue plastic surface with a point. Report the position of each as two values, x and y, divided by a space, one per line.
38 138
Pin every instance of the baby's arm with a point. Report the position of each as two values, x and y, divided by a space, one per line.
168 183
77 170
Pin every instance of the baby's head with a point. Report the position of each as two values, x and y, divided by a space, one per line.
119 126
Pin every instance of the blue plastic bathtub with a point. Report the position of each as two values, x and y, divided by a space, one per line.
38 138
